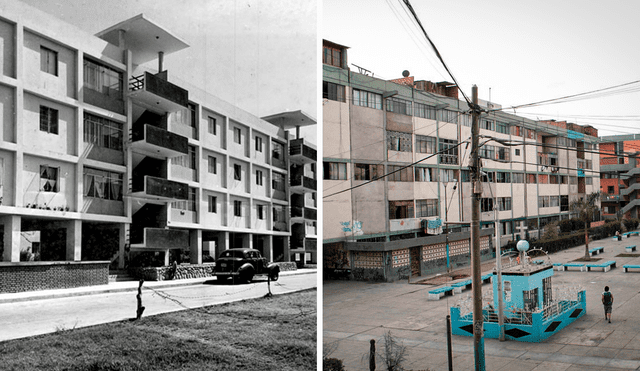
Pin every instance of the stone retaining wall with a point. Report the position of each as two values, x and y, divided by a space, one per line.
33 276
185 271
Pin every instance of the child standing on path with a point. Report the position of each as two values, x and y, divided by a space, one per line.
607 301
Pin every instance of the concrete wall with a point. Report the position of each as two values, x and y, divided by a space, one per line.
8 48
7 114
32 192
49 144
62 85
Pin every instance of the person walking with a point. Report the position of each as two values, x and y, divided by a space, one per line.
607 301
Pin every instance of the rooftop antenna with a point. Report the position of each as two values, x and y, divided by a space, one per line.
363 70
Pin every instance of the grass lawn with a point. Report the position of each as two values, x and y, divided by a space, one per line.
276 333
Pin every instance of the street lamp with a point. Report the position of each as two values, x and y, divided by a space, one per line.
446 219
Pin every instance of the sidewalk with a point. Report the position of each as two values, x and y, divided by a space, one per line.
590 343
115 287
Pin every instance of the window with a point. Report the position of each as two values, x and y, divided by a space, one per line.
212 125
259 177
399 173
487 151
611 190
531 179
102 132
589 164
448 149
447 175
564 203
544 201
188 160
279 214
367 171
502 177
102 79
554 201
425 174
588 180
465 119
367 99
400 106
278 151
517 178
486 124
425 208
213 165
193 115
447 116
213 204
261 212
553 179
333 91
48 179
424 111
399 141
335 171
258 144
48 120
237 172
502 154
425 144
486 204
517 150
102 184
504 203
237 208
237 135
332 56
48 61
400 209
277 182
501 127
487 177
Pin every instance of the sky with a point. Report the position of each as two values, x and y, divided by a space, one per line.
516 52
260 56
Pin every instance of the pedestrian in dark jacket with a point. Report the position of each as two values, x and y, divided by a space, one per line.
607 301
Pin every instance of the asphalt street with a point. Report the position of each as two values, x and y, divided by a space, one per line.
36 313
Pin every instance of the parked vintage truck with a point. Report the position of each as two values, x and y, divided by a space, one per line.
243 264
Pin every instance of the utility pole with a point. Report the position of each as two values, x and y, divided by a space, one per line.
478 339
499 270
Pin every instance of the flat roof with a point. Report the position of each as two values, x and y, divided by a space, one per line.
290 119
144 38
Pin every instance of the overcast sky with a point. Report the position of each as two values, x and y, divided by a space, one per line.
525 51
258 55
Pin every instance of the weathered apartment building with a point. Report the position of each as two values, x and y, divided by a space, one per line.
105 155
395 160
620 176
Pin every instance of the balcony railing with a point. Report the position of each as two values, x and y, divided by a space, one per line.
301 153
159 238
163 189
448 159
157 94
304 213
158 142
303 184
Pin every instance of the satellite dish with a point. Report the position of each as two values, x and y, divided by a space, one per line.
405 73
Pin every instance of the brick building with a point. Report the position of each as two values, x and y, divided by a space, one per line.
620 176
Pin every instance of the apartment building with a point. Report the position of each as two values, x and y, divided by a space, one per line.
107 157
620 176
396 173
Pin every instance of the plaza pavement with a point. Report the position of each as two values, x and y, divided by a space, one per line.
356 312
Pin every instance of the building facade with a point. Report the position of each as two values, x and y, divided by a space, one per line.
396 171
106 156
620 176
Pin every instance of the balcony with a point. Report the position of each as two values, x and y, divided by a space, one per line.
303 184
159 143
300 153
301 214
159 239
156 94
158 188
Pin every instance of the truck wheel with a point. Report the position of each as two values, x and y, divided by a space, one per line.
275 275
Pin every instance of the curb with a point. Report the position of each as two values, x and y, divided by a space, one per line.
65 293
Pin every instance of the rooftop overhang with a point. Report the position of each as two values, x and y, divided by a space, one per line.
144 38
290 120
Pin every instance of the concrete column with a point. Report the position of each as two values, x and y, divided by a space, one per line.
247 240
123 243
224 241
11 224
287 248
195 243
268 247
167 255
74 240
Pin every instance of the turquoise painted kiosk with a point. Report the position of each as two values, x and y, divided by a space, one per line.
534 309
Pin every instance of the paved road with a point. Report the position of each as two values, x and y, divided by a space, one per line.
23 318
356 312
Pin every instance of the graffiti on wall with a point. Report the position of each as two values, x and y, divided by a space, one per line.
354 227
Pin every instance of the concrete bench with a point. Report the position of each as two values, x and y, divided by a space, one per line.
630 248
626 267
629 234
438 293
582 266
596 251
606 266
462 285
558 266
487 278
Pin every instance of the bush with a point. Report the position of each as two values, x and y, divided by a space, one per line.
332 364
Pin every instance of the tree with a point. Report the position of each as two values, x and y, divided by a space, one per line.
585 207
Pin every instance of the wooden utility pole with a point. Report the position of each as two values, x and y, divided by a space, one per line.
478 339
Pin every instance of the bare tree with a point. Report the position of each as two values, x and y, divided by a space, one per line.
585 207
